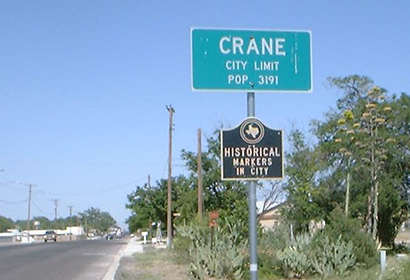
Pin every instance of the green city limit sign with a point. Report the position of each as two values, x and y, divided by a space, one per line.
251 60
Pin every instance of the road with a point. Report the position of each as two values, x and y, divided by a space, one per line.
74 260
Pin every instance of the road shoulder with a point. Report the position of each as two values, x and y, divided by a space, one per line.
153 263
133 246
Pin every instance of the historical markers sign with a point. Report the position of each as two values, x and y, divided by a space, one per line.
251 60
251 151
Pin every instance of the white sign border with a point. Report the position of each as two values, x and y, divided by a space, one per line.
253 90
253 178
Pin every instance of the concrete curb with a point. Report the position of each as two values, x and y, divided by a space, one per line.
132 247
110 274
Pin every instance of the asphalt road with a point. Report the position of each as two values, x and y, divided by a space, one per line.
74 260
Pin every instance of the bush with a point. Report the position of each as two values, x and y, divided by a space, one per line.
294 263
350 230
276 239
270 243
399 272
295 259
220 259
269 265
181 245
317 255
219 252
331 258
400 249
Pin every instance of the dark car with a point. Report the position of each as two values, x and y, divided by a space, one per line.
50 235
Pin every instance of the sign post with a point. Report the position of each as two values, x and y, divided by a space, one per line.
251 152
252 205
251 61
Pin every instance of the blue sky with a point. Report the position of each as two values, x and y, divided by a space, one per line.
84 84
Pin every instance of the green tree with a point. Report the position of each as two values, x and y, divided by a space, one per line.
227 197
303 193
395 187
354 87
94 218
5 224
45 223
367 138
20 224
149 203
336 141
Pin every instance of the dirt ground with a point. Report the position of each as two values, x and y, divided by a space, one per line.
153 265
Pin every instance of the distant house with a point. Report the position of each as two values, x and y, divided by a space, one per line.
271 218
76 231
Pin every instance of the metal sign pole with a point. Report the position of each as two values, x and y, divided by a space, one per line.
252 205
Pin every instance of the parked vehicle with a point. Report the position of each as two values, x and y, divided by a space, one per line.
50 235
110 236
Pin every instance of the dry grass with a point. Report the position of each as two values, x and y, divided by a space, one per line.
157 264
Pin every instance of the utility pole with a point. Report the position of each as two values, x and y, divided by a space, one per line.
149 181
29 206
200 203
71 212
70 225
55 209
169 214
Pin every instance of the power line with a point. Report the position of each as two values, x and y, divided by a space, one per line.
13 202
9 184
38 208
99 190
121 185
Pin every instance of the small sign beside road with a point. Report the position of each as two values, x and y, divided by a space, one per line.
251 60
251 151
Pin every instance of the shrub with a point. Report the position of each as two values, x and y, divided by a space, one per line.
318 254
332 257
294 263
295 259
400 249
276 239
181 245
222 259
268 265
219 253
400 270
269 244
350 230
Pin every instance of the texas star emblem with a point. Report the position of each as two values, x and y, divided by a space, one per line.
252 131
